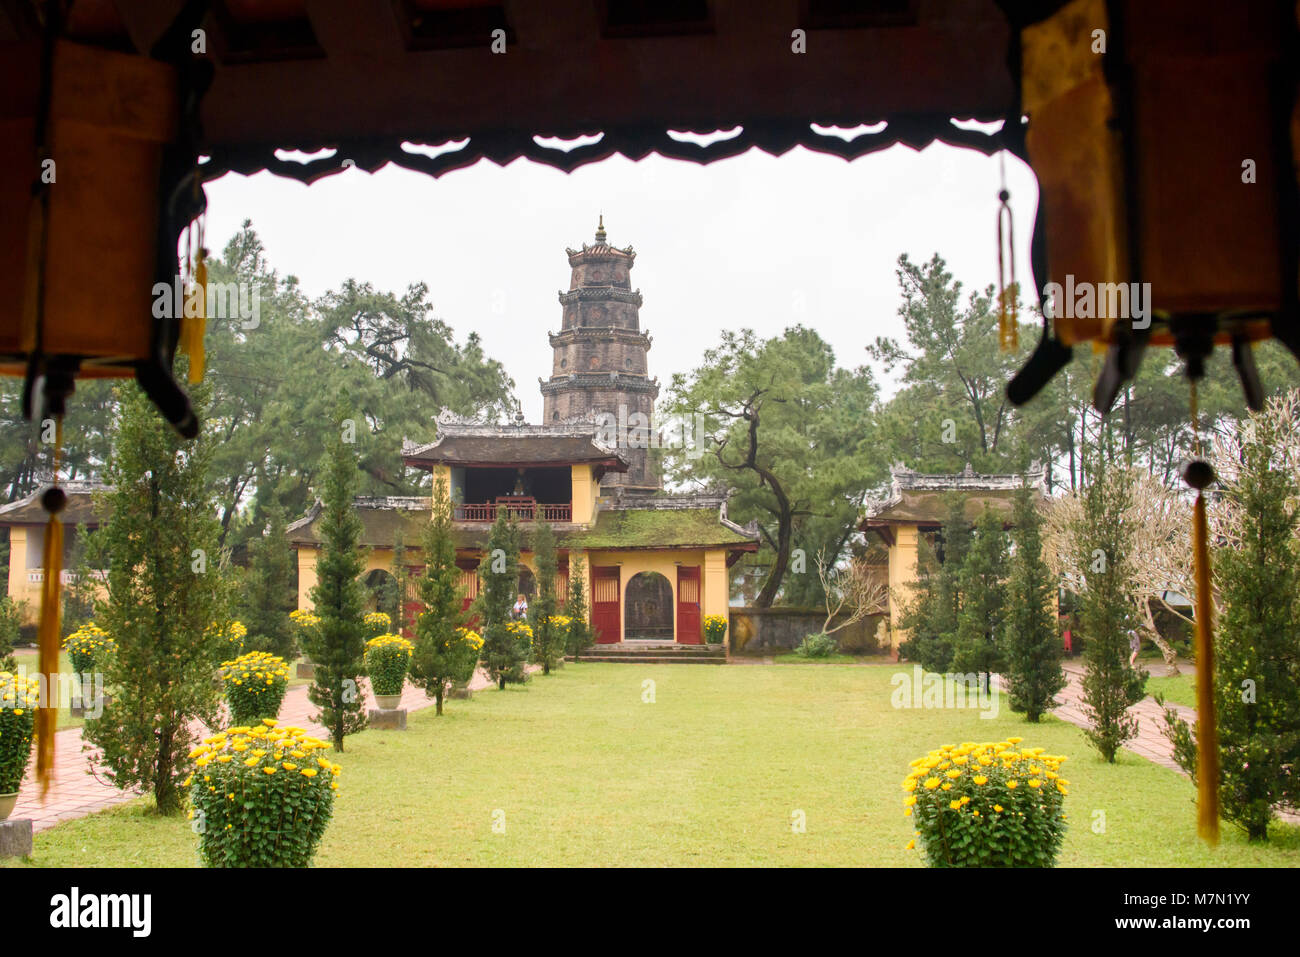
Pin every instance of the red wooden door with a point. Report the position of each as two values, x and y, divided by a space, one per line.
605 618
688 604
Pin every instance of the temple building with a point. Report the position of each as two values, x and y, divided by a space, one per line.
915 508
25 521
655 563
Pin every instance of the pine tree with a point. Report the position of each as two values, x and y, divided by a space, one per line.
932 618
82 589
982 581
337 644
1110 686
579 638
1030 647
397 589
165 587
504 655
442 656
547 640
270 593
1257 646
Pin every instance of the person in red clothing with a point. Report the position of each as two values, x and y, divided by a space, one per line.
1069 645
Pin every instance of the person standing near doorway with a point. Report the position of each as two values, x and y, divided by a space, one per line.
520 611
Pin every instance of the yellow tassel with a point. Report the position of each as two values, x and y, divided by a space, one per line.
194 328
1207 728
48 632
1008 324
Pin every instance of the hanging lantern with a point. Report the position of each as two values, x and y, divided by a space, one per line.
1160 133
89 221
98 178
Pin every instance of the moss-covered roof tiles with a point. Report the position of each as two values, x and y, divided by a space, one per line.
622 528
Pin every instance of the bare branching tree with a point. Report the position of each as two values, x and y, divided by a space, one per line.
853 592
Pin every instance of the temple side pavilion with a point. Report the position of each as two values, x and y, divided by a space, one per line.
914 508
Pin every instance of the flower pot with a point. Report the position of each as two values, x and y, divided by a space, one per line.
460 689
388 702
7 802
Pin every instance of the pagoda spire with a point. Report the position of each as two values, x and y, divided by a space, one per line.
600 229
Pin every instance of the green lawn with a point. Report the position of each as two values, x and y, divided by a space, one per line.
1177 689
791 658
583 772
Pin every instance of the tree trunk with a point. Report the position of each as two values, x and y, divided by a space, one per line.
438 699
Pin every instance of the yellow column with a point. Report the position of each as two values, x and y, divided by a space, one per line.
18 566
716 599
902 577
584 494
307 556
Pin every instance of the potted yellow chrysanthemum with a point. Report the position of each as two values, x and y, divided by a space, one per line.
18 700
388 657
262 796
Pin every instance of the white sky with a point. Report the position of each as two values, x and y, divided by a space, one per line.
752 241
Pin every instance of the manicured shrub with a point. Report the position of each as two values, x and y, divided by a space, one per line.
377 623
262 796
987 805
715 628
817 646
232 640
254 686
388 658
304 619
87 646
18 702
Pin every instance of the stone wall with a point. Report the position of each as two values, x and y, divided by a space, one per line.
767 631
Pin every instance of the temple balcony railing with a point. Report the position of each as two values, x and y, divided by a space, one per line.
520 508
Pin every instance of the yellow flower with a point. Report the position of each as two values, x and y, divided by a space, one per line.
954 773
931 784
1034 782
955 805
308 772
1012 784
251 762
910 845
947 785
998 808
980 779
909 800
270 770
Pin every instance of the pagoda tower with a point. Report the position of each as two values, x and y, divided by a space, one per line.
599 364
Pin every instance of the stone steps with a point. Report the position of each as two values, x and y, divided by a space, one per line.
648 659
655 653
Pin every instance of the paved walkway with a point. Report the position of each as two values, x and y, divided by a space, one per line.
75 792
1150 742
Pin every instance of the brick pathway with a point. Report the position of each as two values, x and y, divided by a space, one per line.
1150 743
74 792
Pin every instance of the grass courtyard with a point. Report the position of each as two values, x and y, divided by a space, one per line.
583 772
